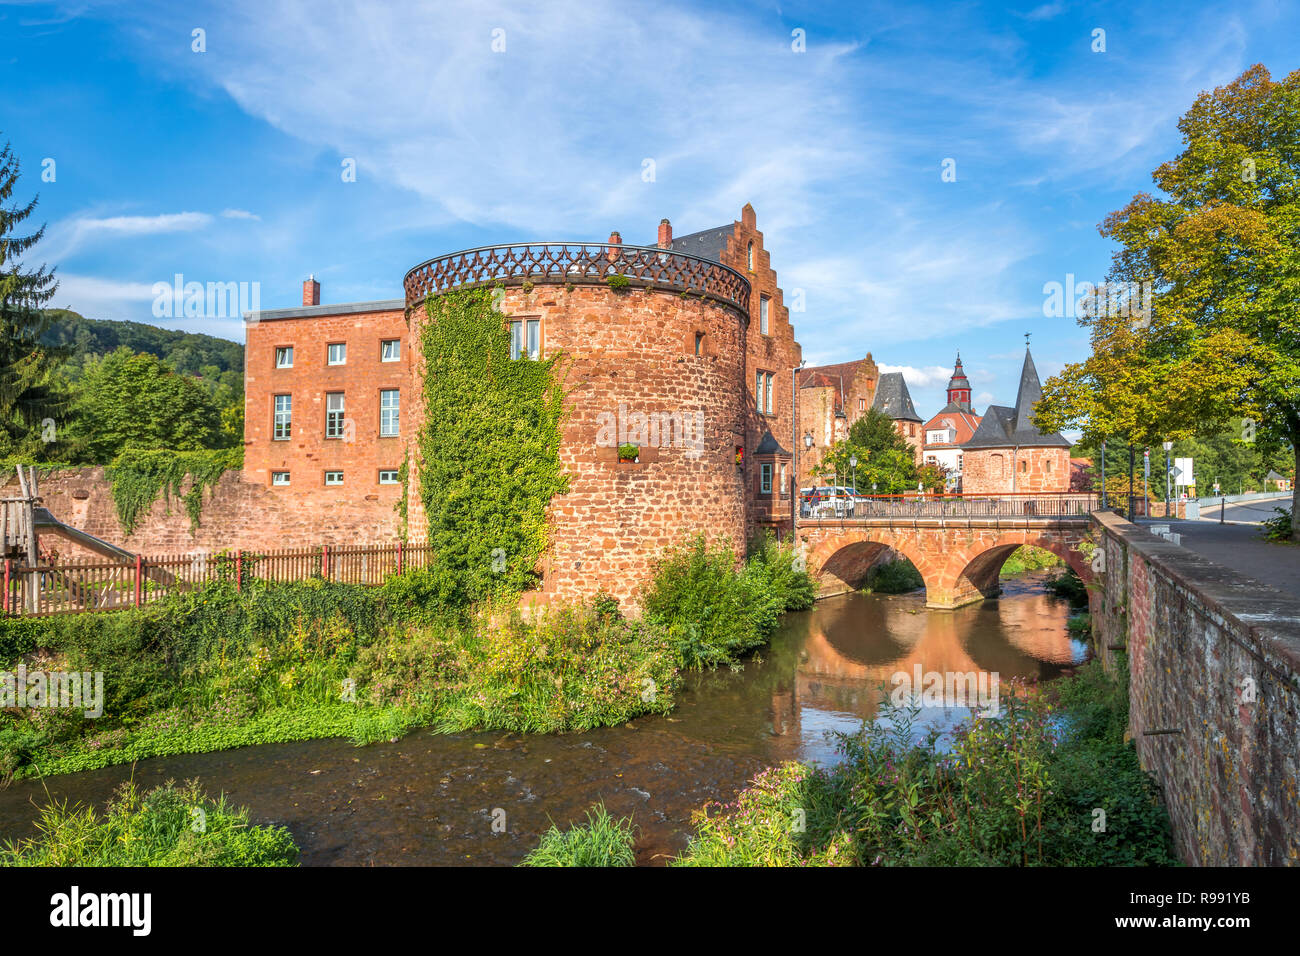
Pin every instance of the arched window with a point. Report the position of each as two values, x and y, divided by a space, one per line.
749 257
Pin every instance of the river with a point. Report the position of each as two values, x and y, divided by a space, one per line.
431 799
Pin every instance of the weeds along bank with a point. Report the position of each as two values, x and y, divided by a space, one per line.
168 826
1050 782
219 668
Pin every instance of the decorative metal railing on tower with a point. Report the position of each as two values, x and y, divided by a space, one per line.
579 263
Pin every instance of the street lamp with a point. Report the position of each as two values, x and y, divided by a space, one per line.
853 463
1167 446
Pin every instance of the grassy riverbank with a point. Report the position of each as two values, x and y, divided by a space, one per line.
218 668
168 826
1051 782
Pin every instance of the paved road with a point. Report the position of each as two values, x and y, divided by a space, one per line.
1240 545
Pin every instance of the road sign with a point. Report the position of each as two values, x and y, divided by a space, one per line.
1184 466
1175 473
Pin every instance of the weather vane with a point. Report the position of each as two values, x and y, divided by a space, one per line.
1027 334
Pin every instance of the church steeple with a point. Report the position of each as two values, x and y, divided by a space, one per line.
959 388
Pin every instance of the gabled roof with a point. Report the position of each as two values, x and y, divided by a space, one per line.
893 398
1004 427
957 417
830 376
708 243
770 446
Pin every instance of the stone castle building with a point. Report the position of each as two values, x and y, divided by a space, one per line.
700 334
831 399
1007 454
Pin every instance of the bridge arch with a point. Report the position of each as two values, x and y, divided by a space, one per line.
958 565
842 562
971 572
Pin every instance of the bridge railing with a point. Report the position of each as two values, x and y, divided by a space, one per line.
1042 505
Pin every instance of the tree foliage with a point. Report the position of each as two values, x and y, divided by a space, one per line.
886 462
1219 248
133 400
29 395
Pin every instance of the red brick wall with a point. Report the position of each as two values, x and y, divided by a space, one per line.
361 453
989 470
776 352
637 349
236 514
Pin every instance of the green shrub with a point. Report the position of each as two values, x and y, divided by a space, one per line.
22 635
711 611
1028 558
894 577
1067 584
167 826
601 841
1021 788
1278 527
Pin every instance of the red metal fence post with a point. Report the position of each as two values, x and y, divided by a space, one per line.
139 567
8 563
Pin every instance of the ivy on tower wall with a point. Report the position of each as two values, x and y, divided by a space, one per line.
489 449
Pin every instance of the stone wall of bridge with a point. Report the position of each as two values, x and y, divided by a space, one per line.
959 559
1214 664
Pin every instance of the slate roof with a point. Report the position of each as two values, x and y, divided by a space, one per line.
893 398
708 243
770 446
1004 427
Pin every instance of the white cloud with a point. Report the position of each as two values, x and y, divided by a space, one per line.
103 298
934 375
239 214
69 235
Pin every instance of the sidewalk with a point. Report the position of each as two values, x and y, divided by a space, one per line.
1239 546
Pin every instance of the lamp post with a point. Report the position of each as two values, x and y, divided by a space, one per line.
853 463
1167 446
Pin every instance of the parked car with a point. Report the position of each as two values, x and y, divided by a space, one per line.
829 501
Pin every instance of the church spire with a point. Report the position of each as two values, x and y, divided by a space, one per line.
959 387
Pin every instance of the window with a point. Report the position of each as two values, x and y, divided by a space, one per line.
1024 467
763 307
526 338
1047 465
333 414
333 477
763 392
284 356
389 406
749 257
862 404
699 343
390 350
279 478
283 418
336 354
766 480
388 476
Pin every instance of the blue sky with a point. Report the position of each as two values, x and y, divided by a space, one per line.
225 165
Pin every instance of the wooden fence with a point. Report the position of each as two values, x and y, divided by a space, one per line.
96 584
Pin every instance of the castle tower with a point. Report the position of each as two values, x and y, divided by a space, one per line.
959 388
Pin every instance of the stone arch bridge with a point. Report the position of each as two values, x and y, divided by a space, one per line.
957 542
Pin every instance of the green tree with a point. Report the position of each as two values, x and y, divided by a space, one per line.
133 400
1218 251
885 459
30 400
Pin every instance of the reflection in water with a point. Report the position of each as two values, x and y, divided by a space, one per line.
428 799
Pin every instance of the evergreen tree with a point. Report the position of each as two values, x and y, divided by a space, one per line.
30 400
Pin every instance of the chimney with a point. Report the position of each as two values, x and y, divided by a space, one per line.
614 240
665 234
311 291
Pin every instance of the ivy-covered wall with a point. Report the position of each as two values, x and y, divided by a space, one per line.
488 449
